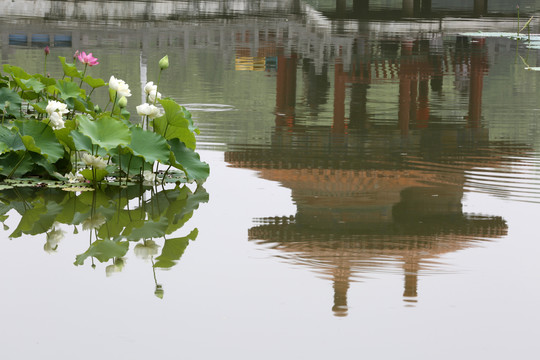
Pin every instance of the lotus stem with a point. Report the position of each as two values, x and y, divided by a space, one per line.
526 25
84 73
17 165
518 19
165 174
120 167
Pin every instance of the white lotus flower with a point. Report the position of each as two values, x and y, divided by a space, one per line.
148 88
149 110
146 250
152 96
56 121
120 86
96 161
56 106
149 176
74 178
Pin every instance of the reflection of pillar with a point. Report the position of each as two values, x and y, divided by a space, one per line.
408 7
478 67
410 291
412 103
295 7
339 99
480 7
361 7
286 90
422 113
406 72
341 286
341 6
426 7
358 118
5 46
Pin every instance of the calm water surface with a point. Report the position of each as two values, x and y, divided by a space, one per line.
374 188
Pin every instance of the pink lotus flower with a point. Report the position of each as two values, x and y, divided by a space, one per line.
87 59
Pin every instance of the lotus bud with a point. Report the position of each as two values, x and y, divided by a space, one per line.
97 109
46 50
164 62
122 103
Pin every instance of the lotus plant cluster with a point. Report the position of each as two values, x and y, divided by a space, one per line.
52 129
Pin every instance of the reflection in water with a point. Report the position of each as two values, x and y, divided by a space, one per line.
379 128
370 188
115 220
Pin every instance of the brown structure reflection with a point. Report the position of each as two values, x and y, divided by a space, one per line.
408 8
366 192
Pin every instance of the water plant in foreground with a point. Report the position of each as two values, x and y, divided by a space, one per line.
51 131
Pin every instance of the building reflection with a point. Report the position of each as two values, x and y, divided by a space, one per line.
367 190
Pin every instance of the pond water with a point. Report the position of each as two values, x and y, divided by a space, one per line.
374 189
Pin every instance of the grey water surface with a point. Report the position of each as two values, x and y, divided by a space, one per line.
374 188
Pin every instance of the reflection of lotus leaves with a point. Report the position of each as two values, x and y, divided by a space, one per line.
146 250
53 238
94 222
116 267
159 291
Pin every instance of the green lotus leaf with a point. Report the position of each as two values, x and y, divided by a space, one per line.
136 164
47 81
30 84
188 160
11 138
95 175
103 250
16 72
40 138
4 147
81 142
148 145
10 102
69 91
15 163
106 132
49 169
69 69
40 107
176 123
63 135
94 82
173 249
